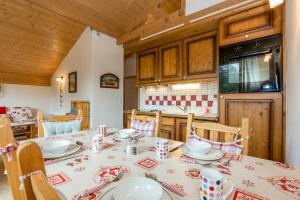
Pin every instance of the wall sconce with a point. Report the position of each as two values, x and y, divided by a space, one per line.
275 3
59 78
191 86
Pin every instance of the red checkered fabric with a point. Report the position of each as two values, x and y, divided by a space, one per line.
146 128
228 147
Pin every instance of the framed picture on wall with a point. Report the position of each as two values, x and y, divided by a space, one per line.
73 82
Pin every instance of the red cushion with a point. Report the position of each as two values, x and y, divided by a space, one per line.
2 110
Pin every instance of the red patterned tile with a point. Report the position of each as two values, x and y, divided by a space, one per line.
174 98
204 97
193 97
188 103
153 102
169 103
147 163
198 103
210 103
178 103
150 97
58 179
147 102
183 97
165 98
161 103
157 98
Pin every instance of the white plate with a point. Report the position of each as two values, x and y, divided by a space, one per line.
72 149
213 154
119 138
55 146
138 188
108 195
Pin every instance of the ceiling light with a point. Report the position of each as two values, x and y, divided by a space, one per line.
275 3
191 86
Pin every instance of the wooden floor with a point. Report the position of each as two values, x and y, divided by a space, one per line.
4 187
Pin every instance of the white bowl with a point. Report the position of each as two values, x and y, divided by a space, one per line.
138 188
198 147
55 146
124 133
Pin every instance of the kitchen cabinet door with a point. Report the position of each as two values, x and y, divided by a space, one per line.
199 57
170 62
265 121
147 67
251 24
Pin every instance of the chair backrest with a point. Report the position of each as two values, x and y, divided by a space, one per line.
7 138
58 118
219 132
5 121
31 165
148 119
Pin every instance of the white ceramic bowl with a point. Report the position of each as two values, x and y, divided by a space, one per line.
55 146
199 147
124 133
138 188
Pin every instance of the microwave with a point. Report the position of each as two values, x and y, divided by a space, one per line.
253 66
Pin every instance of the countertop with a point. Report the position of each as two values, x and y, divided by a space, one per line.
205 117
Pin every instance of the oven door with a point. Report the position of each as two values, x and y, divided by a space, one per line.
253 73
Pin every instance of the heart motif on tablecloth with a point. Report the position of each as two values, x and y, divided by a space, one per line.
108 173
288 185
284 165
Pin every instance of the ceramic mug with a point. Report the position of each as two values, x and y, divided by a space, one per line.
102 130
212 184
162 148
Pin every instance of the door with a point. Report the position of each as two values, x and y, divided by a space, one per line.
200 56
262 110
130 93
147 67
170 62
251 24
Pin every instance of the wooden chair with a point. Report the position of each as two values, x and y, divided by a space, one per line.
7 137
59 118
35 186
145 118
219 132
5 121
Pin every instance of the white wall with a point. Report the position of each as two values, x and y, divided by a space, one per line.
38 97
79 59
107 57
130 66
92 55
293 81
193 6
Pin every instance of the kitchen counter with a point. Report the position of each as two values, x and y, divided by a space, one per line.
205 117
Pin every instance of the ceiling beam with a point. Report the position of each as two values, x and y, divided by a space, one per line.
177 18
25 79
79 13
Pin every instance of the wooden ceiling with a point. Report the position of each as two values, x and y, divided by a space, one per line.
36 35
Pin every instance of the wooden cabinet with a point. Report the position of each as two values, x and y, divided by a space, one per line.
251 24
200 56
147 67
84 106
265 121
170 62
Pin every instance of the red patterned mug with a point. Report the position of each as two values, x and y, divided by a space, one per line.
211 185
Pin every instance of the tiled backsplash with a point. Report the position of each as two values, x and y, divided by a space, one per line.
199 101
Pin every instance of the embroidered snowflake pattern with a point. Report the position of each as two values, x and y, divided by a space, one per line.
170 171
249 167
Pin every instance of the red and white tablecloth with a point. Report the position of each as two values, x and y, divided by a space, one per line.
254 179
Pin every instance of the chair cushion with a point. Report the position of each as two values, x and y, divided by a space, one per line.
228 147
56 128
146 128
18 114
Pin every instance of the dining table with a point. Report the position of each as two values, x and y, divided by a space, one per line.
84 175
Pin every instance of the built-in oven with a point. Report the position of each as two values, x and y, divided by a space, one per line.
253 66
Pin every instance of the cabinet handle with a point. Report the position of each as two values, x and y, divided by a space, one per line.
183 77
246 36
158 80
221 96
